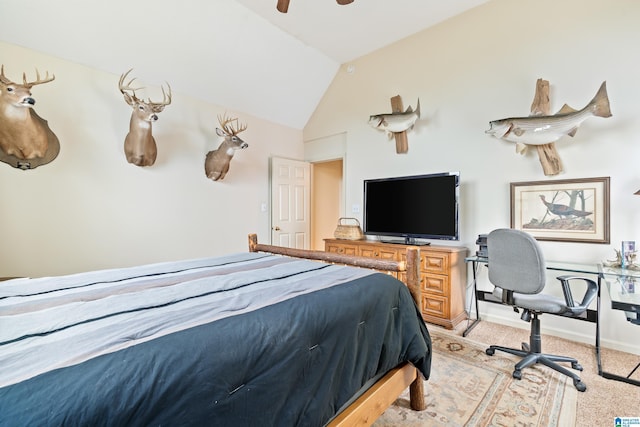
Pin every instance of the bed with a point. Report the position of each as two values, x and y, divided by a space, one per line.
274 336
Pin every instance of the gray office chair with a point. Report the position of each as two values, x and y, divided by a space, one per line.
517 270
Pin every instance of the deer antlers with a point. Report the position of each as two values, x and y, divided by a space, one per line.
25 83
226 123
124 88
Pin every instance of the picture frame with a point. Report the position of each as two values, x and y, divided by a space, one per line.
565 210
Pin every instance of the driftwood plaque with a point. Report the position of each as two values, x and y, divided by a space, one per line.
548 155
402 144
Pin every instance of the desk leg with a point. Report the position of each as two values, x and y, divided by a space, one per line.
602 373
626 379
598 307
475 296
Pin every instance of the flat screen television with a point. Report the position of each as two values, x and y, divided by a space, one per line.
413 207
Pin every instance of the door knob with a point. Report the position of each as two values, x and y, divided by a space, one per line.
276 228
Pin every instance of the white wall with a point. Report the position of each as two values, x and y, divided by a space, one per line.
90 209
483 66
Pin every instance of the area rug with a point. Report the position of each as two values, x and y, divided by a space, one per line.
469 388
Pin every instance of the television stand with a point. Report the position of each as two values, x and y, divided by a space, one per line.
443 275
407 241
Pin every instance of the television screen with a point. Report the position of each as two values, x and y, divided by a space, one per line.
420 206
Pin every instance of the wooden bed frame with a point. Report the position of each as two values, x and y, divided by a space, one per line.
369 406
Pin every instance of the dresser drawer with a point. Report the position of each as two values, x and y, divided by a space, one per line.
343 249
436 306
435 284
377 251
435 263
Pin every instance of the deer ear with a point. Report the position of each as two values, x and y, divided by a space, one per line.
220 132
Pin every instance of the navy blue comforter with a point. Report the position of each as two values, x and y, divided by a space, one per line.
277 358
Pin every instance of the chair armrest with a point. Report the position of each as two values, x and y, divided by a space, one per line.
589 294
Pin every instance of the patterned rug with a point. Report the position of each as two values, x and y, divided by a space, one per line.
469 388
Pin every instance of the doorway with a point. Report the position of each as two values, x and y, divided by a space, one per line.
327 197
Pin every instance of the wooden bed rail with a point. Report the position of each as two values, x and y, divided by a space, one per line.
411 267
372 403
368 407
359 261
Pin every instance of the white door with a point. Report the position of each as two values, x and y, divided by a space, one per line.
290 187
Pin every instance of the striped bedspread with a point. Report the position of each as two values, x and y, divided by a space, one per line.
244 339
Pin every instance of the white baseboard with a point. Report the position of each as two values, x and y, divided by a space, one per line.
564 333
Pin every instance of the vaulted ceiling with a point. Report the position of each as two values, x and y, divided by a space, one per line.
240 54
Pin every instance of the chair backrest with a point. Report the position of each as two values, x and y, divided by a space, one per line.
515 261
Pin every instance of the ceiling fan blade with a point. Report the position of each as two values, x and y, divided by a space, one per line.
283 6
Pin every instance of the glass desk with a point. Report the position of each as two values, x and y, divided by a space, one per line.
624 290
623 286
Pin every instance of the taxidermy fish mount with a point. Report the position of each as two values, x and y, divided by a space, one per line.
542 129
397 122
26 141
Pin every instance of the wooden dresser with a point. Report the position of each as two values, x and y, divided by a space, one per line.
443 275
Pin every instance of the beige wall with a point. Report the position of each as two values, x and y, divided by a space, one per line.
325 201
91 209
483 66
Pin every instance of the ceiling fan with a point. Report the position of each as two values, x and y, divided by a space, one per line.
283 5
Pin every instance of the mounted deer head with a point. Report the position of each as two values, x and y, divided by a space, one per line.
216 164
25 138
139 144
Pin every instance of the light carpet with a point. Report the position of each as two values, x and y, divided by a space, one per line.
469 388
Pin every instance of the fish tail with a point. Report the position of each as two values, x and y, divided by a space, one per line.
599 105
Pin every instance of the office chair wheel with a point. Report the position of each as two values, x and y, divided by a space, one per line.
579 385
576 366
490 352
517 374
